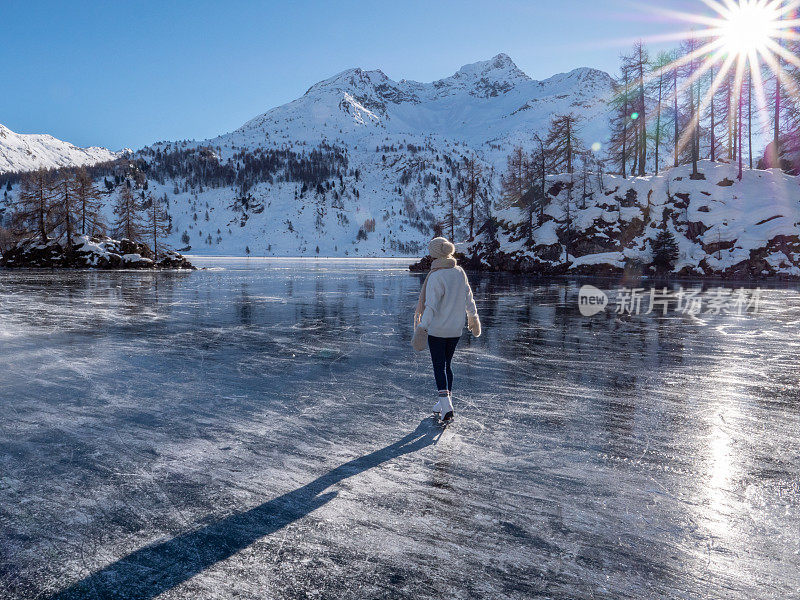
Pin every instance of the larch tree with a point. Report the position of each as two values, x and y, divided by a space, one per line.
691 48
739 111
776 136
90 203
523 183
472 172
712 128
639 65
34 207
676 119
660 73
724 114
513 180
621 123
451 212
791 112
538 178
562 142
156 224
750 117
66 205
127 209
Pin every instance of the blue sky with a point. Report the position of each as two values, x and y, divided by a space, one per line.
126 74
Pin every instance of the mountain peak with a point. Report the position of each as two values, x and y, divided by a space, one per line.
350 79
486 78
500 65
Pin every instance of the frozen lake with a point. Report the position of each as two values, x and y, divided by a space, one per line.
260 430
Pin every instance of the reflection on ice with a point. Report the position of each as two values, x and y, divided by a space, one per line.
235 431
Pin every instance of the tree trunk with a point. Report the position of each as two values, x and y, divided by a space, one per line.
730 122
658 118
642 118
42 230
695 113
750 119
713 124
776 134
569 146
739 134
675 108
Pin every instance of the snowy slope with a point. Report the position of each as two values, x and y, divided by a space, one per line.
28 152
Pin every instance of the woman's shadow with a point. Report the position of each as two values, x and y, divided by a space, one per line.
154 569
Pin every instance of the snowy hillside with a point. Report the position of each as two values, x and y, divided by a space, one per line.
722 226
402 146
28 152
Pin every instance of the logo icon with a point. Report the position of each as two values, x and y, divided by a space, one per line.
591 300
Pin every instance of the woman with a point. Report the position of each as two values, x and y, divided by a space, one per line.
443 301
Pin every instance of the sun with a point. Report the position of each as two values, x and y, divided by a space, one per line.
748 26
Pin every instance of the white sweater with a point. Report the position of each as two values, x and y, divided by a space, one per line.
448 298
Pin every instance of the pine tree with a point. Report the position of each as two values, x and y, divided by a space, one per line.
127 209
665 251
156 224
34 207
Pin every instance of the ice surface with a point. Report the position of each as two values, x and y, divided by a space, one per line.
259 430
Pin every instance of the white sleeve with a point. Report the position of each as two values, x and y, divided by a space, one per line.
433 297
472 310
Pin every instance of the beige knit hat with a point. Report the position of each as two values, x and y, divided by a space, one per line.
441 247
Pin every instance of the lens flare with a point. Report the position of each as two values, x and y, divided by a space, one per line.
749 26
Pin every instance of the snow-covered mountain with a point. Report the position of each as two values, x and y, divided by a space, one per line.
27 152
483 103
400 147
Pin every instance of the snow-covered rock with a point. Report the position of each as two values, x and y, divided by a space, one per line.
28 152
748 229
86 252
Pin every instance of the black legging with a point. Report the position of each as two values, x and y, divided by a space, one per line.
442 350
